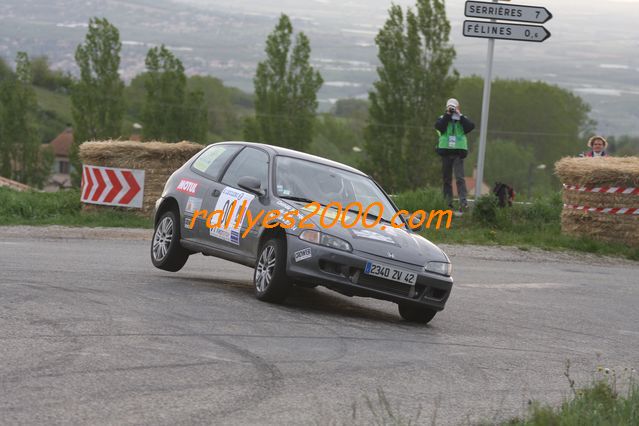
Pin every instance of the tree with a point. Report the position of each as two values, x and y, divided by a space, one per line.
44 76
544 120
96 98
170 113
22 157
286 87
414 80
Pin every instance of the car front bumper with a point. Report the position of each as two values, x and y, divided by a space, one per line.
344 272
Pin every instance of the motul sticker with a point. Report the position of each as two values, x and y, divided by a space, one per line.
187 186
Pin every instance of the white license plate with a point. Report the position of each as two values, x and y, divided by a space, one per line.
390 273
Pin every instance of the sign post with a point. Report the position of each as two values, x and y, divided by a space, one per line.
505 31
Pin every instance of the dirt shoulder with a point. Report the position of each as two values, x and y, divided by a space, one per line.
70 232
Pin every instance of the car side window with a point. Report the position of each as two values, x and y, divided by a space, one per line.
250 162
212 161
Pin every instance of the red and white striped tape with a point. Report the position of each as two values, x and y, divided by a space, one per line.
616 210
603 189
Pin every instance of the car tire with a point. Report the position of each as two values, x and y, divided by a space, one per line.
166 251
269 278
418 314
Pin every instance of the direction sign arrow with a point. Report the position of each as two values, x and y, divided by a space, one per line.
507 12
112 186
505 31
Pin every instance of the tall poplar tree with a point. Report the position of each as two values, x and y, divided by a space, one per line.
22 158
415 77
286 87
170 113
96 98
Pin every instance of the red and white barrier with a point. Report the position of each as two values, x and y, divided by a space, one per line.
608 210
112 187
603 189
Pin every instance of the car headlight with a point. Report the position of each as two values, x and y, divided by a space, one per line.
317 237
441 268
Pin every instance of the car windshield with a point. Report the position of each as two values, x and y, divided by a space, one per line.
301 180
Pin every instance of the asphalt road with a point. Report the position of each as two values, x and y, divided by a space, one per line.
91 333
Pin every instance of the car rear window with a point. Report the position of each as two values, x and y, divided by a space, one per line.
212 161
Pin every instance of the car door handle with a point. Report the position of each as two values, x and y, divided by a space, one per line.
216 193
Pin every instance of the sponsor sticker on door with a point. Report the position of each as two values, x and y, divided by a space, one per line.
234 213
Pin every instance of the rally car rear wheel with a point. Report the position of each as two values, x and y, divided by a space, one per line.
166 251
270 280
417 314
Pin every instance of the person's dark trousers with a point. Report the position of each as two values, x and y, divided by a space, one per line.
454 164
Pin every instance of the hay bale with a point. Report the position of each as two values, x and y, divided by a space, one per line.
604 171
598 199
599 172
605 227
158 160
138 155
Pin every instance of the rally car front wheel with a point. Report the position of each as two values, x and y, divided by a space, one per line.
418 314
270 280
166 251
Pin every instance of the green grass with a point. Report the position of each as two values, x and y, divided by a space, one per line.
61 208
600 404
524 225
59 103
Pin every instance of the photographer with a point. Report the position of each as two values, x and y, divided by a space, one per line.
452 128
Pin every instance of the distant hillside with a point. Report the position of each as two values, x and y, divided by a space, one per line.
227 107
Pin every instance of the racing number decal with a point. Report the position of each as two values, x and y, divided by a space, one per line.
232 203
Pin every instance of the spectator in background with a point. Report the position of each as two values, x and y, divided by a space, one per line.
452 128
598 146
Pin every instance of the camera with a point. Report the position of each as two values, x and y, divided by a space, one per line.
451 109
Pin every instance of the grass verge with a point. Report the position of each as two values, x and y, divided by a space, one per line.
61 208
601 403
524 225
536 224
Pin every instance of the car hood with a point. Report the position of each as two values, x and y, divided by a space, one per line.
385 241
391 243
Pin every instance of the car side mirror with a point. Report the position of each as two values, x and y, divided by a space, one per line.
413 223
251 184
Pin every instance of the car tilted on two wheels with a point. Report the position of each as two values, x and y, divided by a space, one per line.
350 257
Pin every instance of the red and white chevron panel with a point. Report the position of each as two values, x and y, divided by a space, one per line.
603 189
616 210
112 187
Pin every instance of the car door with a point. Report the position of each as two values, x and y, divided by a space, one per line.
206 172
238 205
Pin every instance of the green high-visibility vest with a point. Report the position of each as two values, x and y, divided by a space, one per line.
454 138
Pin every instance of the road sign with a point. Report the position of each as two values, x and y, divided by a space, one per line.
112 187
507 12
505 31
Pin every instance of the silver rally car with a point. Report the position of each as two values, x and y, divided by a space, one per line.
243 181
